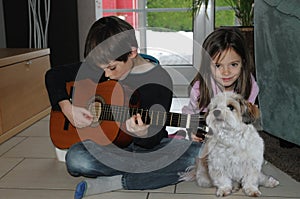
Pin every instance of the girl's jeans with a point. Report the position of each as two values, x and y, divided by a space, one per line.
141 168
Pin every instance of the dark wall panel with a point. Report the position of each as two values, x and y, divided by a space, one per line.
16 23
62 34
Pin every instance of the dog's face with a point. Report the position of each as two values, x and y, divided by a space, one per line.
229 110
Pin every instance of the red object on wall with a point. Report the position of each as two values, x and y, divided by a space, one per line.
130 17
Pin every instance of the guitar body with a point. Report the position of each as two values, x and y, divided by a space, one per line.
90 95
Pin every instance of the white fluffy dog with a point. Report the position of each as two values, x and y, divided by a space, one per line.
233 156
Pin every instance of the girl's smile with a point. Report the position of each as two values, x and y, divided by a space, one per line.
226 79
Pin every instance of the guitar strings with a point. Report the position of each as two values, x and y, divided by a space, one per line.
121 114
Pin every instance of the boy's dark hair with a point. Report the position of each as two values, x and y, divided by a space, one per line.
110 38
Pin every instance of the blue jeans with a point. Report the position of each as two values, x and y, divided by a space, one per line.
140 168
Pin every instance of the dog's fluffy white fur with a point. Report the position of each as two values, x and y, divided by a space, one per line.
233 156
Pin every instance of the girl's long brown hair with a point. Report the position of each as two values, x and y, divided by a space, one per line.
218 41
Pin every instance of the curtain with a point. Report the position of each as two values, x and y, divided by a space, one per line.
277 43
203 25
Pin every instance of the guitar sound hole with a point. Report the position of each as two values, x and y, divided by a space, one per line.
95 107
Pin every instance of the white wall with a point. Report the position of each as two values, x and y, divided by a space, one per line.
86 17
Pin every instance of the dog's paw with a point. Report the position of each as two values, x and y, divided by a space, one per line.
252 191
271 182
223 191
205 185
204 182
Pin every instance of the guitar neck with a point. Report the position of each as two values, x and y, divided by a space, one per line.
157 118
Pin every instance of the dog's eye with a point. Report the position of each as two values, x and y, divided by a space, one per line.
230 107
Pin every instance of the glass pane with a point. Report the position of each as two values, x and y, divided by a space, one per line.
168 35
224 15
130 17
169 3
224 18
119 4
176 21
169 47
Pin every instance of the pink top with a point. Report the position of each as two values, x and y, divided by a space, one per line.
192 107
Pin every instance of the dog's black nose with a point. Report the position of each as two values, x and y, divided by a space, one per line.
216 113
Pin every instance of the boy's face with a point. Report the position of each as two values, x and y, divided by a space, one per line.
118 70
226 68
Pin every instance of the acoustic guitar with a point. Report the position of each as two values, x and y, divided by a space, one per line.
109 105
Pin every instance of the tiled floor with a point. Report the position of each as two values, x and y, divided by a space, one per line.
29 170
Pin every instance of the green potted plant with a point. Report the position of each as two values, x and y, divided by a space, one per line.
243 9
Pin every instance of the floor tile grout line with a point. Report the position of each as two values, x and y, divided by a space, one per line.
34 158
175 189
34 136
235 195
10 148
148 195
36 189
12 168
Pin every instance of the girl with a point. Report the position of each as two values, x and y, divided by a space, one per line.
226 66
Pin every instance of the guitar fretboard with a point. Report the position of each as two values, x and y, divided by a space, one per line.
157 118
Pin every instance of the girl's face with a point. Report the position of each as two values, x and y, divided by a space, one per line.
226 68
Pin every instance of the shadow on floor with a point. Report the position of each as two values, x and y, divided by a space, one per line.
282 154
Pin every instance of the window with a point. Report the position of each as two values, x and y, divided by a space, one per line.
165 31
164 28
224 14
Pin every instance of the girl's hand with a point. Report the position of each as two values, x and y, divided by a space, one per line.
78 116
136 126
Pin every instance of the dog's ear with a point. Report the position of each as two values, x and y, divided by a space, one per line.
250 113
